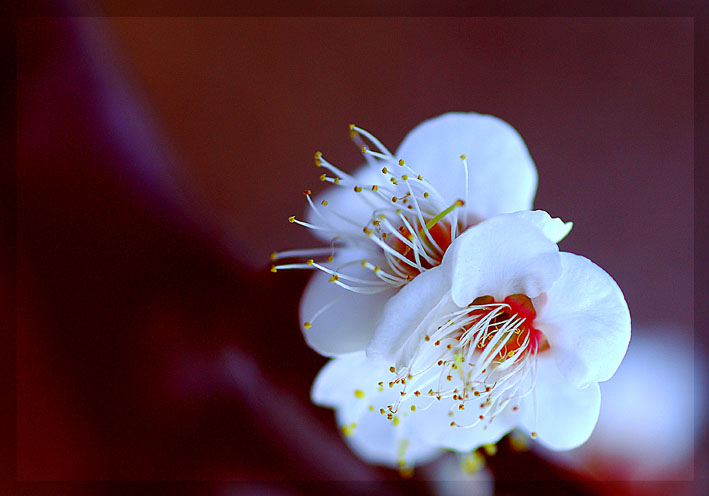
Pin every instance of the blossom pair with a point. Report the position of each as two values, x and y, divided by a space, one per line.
450 313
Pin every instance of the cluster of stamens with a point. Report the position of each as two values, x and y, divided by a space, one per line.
409 230
481 357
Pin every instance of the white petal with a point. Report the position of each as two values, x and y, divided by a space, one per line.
377 440
434 424
344 201
553 228
502 177
350 318
501 256
562 416
586 321
337 381
407 311
370 434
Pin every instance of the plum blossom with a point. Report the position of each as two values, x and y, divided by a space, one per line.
451 313
395 217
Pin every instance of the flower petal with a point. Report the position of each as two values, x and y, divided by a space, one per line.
586 321
553 228
501 174
377 440
349 384
434 424
349 318
343 200
407 311
562 416
501 256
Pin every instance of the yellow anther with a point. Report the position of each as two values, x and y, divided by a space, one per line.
363 263
323 177
394 181
334 278
427 338
396 421
459 203
274 255
359 393
419 177
461 407
384 235
401 161
323 203
366 231
413 408
463 157
449 377
348 430
375 188
371 408
534 435
382 411
358 189
318 162
310 261
273 268
452 424
384 170
375 222
490 449
405 177
307 325
364 149
472 463
307 192
425 194
398 211
337 180
291 219
450 413
330 258
392 369
377 268
352 127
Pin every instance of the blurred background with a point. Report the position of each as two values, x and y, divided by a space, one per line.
159 160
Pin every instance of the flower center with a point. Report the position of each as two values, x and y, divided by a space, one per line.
440 235
410 228
518 305
483 355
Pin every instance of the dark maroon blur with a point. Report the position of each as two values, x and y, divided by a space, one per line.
159 158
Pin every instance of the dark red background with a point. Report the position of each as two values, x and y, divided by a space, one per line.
158 160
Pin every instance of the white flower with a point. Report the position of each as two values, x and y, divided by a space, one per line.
395 217
472 320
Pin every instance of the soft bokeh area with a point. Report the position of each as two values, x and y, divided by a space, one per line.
159 160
